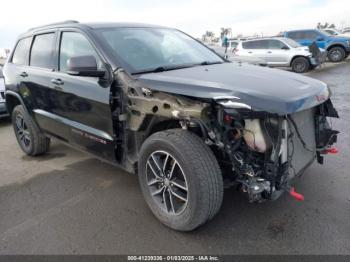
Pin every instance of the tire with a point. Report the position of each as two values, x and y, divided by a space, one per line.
31 140
336 54
300 65
197 169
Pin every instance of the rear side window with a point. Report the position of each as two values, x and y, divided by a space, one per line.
249 45
21 54
259 44
311 35
296 35
234 44
42 50
75 44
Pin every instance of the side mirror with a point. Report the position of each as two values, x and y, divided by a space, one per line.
83 66
285 47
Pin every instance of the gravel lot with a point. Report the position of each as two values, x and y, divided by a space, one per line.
68 203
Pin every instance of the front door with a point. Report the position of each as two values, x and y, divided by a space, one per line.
277 53
83 102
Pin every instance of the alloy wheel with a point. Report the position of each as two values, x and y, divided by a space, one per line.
300 67
167 182
22 131
336 55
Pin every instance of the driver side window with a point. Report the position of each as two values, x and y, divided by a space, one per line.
75 44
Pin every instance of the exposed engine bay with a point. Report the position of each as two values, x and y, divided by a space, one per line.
266 152
260 152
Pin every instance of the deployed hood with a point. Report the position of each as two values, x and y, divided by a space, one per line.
263 89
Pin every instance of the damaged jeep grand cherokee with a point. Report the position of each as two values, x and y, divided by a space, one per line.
158 103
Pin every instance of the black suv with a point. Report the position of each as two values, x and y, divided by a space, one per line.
160 104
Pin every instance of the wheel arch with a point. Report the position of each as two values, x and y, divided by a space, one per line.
297 56
335 45
12 100
162 125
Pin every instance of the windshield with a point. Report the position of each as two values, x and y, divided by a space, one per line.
144 49
333 31
325 32
292 43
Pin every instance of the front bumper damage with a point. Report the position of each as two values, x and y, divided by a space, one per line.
260 152
318 56
265 153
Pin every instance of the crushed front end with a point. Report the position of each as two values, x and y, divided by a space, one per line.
263 153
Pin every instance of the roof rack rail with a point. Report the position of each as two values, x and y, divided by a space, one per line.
57 23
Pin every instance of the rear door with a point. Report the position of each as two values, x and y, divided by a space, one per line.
41 66
255 48
310 36
17 69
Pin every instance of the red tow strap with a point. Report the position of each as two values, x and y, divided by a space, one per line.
296 195
332 150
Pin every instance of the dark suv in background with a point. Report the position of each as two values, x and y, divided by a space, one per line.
3 110
160 104
338 47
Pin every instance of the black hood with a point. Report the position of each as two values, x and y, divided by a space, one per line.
265 89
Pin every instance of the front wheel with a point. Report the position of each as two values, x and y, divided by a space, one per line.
300 65
180 179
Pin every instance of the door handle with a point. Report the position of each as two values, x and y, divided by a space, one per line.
23 74
57 82
250 52
269 52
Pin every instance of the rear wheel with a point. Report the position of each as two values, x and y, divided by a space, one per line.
300 65
180 179
31 140
336 54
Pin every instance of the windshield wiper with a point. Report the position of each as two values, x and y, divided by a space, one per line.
163 68
210 63
168 68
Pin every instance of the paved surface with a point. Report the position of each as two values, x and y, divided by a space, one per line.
68 203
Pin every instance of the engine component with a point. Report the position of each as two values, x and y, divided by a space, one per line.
254 136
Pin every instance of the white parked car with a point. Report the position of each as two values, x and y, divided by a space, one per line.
282 52
346 31
336 32
229 55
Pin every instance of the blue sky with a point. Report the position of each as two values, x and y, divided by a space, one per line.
192 16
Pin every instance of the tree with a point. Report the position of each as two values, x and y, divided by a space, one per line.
325 25
209 34
225 31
